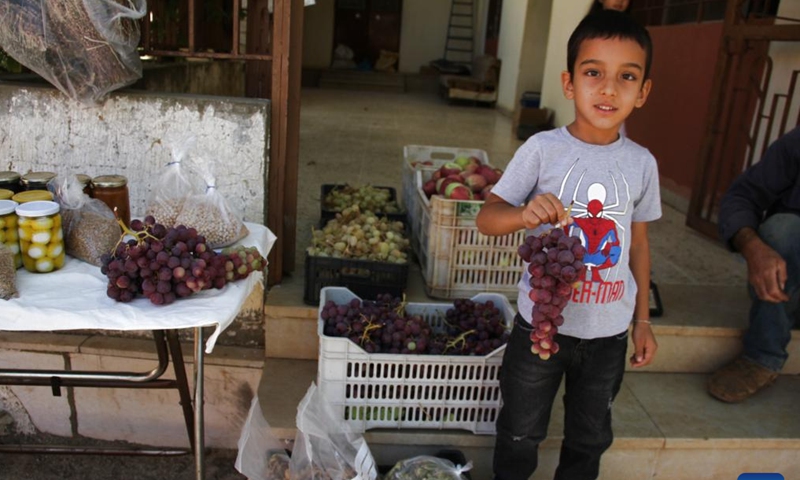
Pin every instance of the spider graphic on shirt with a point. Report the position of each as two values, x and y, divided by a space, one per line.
595 222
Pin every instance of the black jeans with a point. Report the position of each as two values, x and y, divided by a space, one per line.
593 370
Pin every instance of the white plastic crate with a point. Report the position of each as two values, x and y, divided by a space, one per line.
383 390
438 156
457 260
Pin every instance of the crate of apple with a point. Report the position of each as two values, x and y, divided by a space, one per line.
465 178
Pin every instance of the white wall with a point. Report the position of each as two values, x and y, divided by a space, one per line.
534 47
509 50
318 34
565 16
422 33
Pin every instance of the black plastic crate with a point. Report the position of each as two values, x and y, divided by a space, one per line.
327 215
365 278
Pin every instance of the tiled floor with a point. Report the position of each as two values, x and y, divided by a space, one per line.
358 137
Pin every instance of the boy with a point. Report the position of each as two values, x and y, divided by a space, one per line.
614 185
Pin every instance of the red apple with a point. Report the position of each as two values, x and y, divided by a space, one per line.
436 175
491 175
450 168
456 191
476 182
429 188
442 183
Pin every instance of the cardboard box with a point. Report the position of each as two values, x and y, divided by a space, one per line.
532 117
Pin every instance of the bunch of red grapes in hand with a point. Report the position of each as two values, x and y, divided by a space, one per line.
165 264
555 263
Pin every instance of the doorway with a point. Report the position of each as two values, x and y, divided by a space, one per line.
367 27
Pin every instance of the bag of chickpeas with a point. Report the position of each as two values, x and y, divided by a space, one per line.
89 226
212 216
175 184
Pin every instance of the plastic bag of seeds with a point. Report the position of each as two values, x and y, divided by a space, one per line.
88 225
8 273
426 467
174 186
212 215
85 48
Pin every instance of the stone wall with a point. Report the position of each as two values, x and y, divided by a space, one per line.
132 134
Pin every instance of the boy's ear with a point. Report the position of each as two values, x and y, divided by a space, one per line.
567 86
644 92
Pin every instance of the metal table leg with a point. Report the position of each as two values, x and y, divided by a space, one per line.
199 434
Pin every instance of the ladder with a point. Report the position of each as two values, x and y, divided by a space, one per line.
460 43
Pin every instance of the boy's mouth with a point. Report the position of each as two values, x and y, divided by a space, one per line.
605 108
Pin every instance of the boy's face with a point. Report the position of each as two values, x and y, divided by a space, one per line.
606 87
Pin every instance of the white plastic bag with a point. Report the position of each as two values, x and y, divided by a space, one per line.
261 455
211 214
426 467
85 48
88 224
325 448
174 186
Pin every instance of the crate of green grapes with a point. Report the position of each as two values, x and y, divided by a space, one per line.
382 201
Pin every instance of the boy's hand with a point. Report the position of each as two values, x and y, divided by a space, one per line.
544 209
644 345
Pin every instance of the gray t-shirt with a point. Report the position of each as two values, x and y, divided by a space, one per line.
612 186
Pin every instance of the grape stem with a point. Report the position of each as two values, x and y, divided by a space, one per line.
139 236
401 309
462 339
370 326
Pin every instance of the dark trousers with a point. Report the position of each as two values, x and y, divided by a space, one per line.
771 323
593 371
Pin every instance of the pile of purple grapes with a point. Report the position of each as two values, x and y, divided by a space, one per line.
555 262
164 264
383 326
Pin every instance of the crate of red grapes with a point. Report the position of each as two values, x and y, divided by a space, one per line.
386 363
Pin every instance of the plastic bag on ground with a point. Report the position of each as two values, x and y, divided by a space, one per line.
261 455
174 186
85 48
426 467
325 448
88 224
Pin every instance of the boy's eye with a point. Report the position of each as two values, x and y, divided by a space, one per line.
629 76
591 73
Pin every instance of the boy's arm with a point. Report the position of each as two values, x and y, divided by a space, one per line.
644 341
498 217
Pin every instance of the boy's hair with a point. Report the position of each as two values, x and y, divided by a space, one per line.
608 24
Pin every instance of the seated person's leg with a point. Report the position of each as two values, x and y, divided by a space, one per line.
771 323
770 327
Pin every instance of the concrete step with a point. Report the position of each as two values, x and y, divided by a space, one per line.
666 427
358 80
699 332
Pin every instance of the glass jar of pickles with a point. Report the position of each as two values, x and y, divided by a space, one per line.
6 194
8 229
32 196
41 240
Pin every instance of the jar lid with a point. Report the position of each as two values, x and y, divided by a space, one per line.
37 209
38 178
9 177
109 181
83 179
32 196
5 194
7 206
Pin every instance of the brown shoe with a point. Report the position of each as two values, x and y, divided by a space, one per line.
739 380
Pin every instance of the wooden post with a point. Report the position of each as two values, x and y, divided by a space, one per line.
292 146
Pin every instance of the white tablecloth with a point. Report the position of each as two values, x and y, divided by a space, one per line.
74 298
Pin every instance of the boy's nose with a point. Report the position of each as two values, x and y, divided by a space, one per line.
608 87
